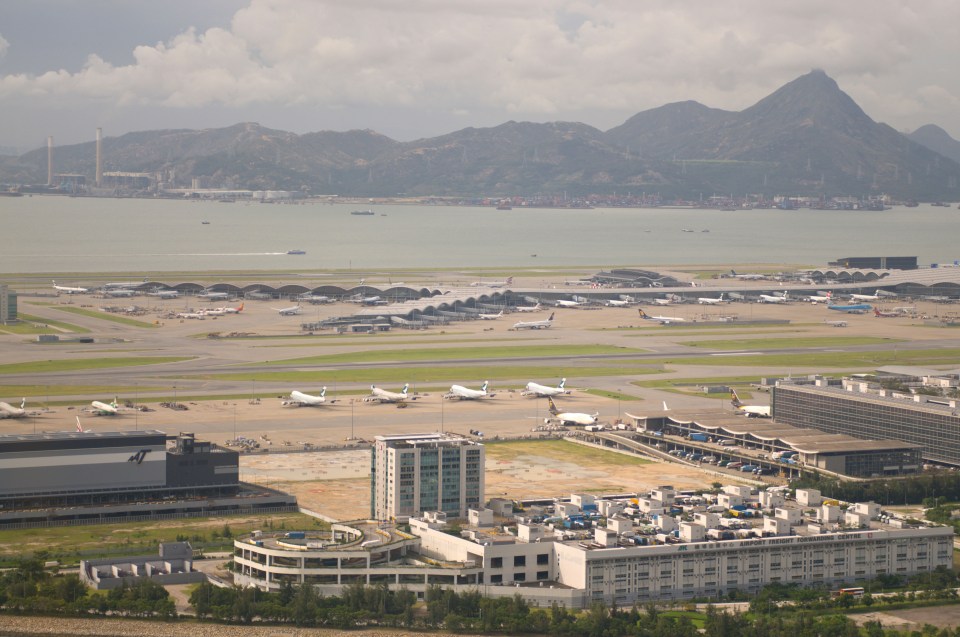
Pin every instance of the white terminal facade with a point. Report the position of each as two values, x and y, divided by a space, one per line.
646 551
414 473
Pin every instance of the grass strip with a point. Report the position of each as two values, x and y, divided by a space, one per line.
60 325
790 343
106 316
558 450
73 364
456 353
46 391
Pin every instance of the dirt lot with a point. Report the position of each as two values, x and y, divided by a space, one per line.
337 484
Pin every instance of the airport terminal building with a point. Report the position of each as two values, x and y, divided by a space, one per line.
854 409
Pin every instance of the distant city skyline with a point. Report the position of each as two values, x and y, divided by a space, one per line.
429 67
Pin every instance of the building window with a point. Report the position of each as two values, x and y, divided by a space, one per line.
543 558
519 577
542 575
519 560
496 562
496 579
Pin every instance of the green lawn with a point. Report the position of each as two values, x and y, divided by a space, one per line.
457 353
30 326
789 343
559 450
73 364
45 391
853 361
105 316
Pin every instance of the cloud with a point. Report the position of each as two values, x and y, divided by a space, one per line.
4 45
536 58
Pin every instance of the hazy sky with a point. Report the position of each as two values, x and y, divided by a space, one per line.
419 68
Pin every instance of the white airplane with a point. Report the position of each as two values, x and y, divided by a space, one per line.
617 303
384 396
866 297
528 308
565 303
105 409
120 292
191 315
9 411
706 300
666 301
459 392
747 277
289 311
164 294
542 391
314 299
664 320
816 298
774 298
69 290
492 284
220 311
490 317
533 325
213 296
751 411
569 417
299 399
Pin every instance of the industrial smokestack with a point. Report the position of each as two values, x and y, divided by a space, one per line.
99 156
50 160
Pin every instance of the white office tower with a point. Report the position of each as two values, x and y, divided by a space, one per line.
414 473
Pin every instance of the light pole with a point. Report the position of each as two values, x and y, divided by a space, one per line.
351 419
618 405
441 413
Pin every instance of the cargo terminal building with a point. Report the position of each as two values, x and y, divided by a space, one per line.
930 423
94 475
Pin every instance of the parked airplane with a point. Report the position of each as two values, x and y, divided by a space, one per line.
565 303
667 301
490 317
866 297
906 309
314 299
856 308
664 320
883 314
706 300
384 396
774 298
289 311
751 411
748 277
542 391
459 392
105 409
191 315
9 411
220 311
492 284
836 323
213 296
69 290
164 294
617 303
533 325
528 308
120 292
826 298
569 417
299 399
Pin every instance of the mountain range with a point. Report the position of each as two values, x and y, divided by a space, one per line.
807 138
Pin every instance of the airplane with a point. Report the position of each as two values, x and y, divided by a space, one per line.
492 284
881 314
617 303
213 296
857 308
490 317
533 325
751 411
384 396
528 308
164 294
80 428
299 399
565 303
836 323
706 300
666 301
120 292
289 311
906 309
866 297
747 277
314 299
191 315
9 411
826 298
220 311
569 417
774 298
459 392
105 409
372 300
664 320
69 290
542 391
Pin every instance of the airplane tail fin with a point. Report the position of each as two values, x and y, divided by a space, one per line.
23 403
552 407
509 280
79 426
483 387
721 296
551 317
563 381
240 309
734 399
665 408
405 388
323 392
643 314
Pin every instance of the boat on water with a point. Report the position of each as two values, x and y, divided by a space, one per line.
205 223
296 251
686 230
362 212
